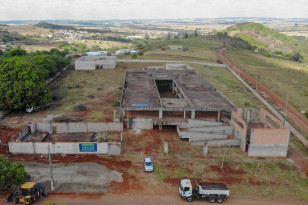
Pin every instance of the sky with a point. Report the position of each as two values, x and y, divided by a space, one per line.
149 9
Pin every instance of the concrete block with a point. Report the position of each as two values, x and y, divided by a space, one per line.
60 127
3 113
166 147
205 148
135 124
114 149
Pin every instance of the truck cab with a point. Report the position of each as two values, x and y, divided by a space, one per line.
186 190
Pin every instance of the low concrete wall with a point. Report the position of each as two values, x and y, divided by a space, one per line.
227 130
202 123
268 150
199 137
77 127
64 148
216 143
139 124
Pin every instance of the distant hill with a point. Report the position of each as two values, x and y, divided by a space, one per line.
54 26
259 37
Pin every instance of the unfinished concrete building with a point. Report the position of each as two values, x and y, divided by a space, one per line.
170 97
263 135
96 62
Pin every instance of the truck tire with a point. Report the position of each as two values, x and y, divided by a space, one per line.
220 199
212 199
189 199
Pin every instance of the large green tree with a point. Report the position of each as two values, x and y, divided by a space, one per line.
11 173
22 85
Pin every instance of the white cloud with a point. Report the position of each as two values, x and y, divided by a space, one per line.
149 9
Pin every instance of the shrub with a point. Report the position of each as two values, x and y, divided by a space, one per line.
140 53
134 56
269 55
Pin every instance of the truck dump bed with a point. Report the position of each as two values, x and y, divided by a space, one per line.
213 186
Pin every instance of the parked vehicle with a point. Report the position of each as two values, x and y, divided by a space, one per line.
28 193
211 191
148 165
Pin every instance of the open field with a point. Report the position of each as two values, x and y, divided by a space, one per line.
199 49
28 30
282 76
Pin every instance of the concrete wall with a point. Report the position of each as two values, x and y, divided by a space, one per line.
62 148
202 123
77 127
240 128
227 142
268 150
269 142
135 124
226 130
264 114
199 137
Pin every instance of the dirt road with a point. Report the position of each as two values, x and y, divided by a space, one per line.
145 198
293 114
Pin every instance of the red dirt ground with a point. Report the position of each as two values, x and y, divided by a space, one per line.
5 135
230 176
298 118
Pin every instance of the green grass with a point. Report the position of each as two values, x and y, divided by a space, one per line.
281 76
224 81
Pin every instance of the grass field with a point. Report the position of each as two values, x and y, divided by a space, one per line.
282 76
224 81
199 49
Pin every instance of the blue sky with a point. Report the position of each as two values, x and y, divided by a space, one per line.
149 9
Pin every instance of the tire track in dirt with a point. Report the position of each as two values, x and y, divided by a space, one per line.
298 118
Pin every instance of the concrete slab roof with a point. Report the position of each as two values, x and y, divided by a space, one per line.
141 93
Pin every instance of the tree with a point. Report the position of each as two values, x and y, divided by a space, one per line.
17 52
196 33
22 85
11 173
296 56
185 35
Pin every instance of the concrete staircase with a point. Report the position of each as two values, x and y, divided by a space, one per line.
199 132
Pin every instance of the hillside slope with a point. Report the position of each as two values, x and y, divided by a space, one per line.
259 37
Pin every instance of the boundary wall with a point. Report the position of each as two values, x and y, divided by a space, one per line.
75 127
65 148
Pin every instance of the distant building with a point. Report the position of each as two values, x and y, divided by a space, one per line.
177 48
95 53
96 62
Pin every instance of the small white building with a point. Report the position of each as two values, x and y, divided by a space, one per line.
96 62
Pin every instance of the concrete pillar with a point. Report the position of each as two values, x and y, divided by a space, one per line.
121 136
176 91
123 113
218 116
106 129
166 147
184 114
193 114
205 149
160 114
245 114
114 115
160 127
172 87
248 116
253 117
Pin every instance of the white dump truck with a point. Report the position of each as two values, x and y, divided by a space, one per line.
211 191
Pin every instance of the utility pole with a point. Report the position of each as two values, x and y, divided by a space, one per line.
287 105
223 159
51 171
